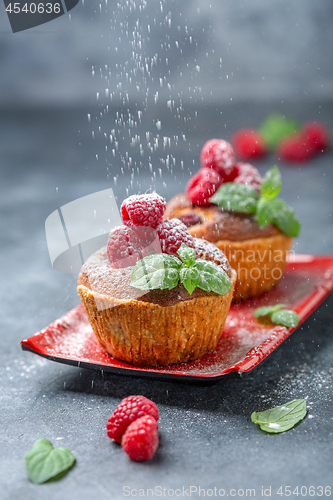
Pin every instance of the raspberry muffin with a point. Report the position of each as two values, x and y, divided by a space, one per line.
257 253
154 308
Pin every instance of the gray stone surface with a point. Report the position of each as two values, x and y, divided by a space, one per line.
48 158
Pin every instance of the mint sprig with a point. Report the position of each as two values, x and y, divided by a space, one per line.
162 271
282 418
44 462
266 207
277 315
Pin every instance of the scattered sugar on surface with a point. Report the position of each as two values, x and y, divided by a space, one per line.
25 369
302 382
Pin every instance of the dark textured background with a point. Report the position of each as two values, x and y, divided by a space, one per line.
275 57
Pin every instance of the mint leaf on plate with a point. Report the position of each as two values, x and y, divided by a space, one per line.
237 197
277 315
271 184
282 418
44 462
285 317
157 271
267 310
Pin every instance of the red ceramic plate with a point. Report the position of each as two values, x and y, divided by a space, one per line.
245 343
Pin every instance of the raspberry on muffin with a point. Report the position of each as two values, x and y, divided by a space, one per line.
219 155
143 210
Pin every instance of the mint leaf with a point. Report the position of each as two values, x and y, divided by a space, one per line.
158 271
238 197
189 276
187 254
276 127
267 207
282 418
212 278
280 214
267 310
285 317
271 184
265 212
44 462
285 218
161 271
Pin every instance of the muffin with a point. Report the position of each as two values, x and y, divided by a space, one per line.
154 326
247 222
257 255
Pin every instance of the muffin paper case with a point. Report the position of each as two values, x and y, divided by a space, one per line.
154 334
259 263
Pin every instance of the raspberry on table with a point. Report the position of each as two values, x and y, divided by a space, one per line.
140 440
143 210
219 155
249 144
295 148
125 245
202 186
129 410
172 233
248 175
317 135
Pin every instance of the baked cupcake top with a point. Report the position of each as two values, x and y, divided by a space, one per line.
150 259
100 277
215 223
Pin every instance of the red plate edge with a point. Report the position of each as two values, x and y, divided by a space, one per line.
304 309
252 358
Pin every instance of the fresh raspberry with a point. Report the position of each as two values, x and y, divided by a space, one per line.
249 175
143 210
129 410
317 135
218 155
295 148
202 186
172 233
126 245
249 144
140 441
190 219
